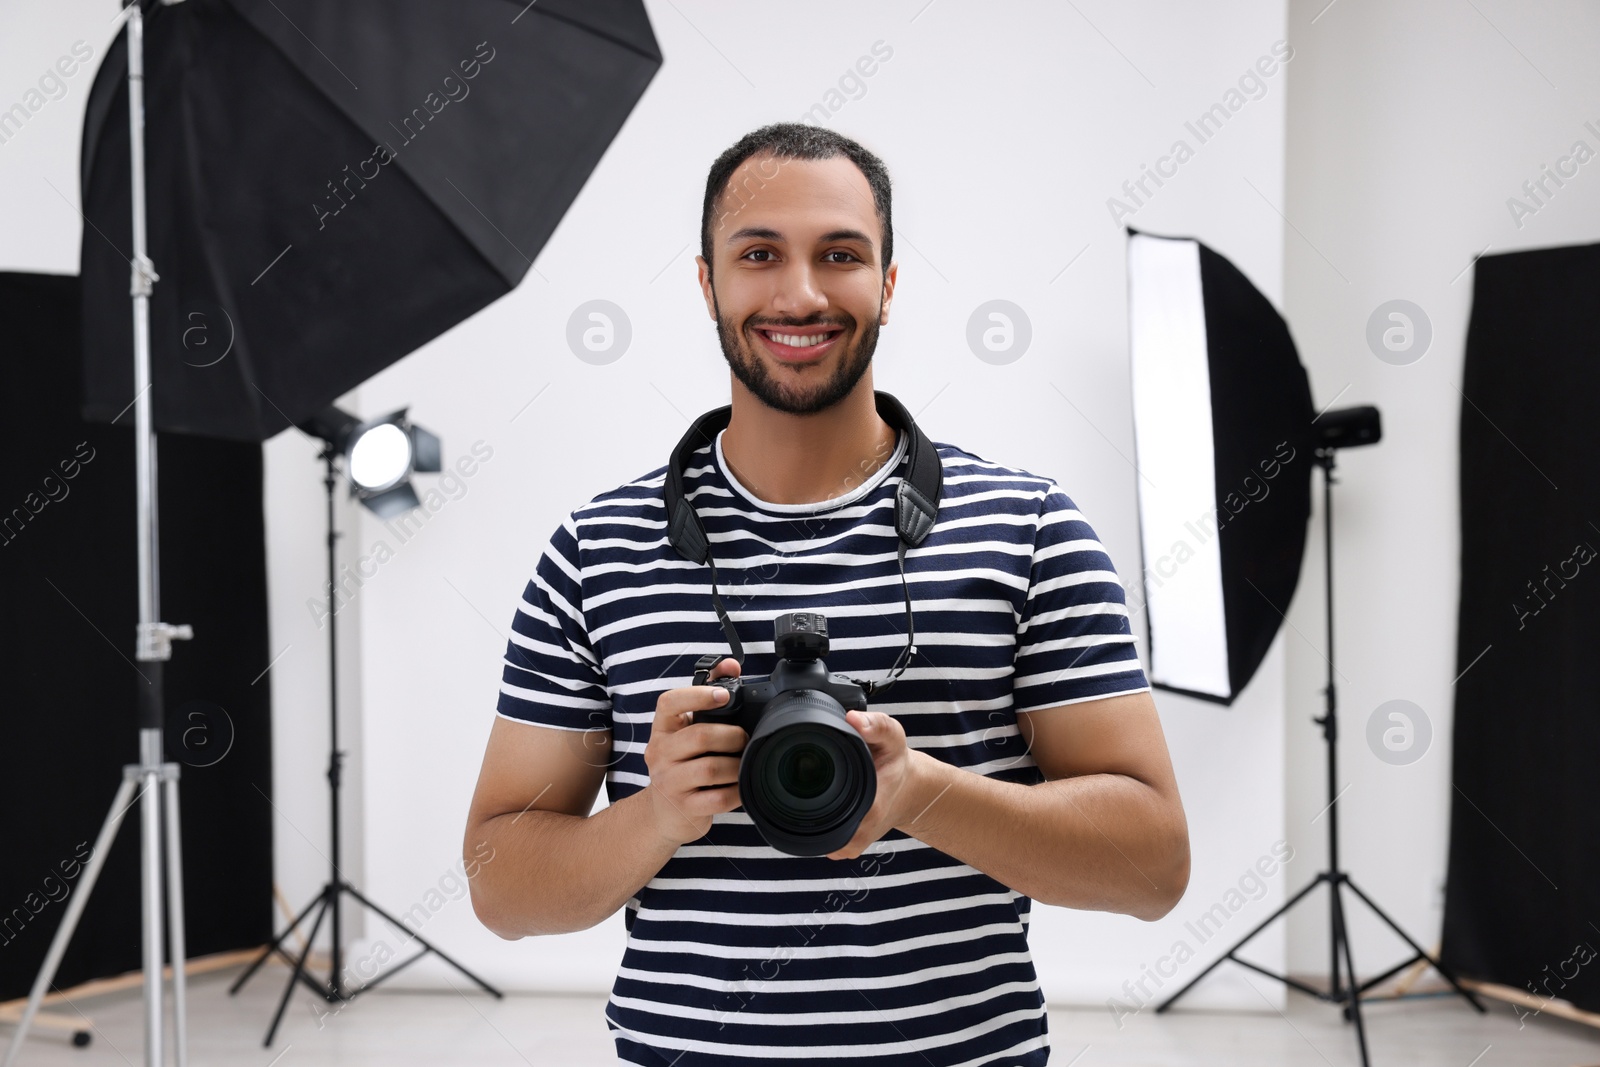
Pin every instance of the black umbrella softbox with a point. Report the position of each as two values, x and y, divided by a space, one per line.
331 185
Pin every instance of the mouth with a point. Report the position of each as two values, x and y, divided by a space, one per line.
799 344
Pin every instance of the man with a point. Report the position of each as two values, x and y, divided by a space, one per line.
1019 757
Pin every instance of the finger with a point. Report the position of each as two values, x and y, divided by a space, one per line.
851 850
875 727
701 802
864 836
698 741
722 738
693 698
673 706
712 772
727 667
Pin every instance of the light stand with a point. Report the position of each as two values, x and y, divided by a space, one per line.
328 897
152 774
1342 428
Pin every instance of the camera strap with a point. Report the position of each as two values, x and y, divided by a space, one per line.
916 506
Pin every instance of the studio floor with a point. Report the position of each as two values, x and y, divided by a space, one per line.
399 1028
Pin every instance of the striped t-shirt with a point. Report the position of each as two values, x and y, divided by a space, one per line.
737 953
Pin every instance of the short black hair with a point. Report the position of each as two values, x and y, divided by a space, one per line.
798 140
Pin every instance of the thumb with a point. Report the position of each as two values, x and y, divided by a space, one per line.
869 724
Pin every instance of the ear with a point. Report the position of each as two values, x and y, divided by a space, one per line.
888 291
704 270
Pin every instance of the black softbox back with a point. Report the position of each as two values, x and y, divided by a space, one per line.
1261 407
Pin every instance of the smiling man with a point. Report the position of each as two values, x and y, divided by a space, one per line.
1019 757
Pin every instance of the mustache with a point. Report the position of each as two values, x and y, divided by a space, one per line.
814 320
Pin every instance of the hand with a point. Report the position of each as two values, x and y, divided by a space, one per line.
900 771
688 786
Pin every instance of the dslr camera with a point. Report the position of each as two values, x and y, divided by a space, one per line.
806 777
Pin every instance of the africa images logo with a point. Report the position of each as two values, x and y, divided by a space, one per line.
1204 127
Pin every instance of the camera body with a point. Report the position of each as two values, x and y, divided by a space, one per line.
806 777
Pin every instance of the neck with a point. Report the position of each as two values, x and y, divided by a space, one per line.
806 459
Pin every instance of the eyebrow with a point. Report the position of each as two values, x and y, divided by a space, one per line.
764 233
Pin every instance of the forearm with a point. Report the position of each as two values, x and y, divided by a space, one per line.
554 873
1102 842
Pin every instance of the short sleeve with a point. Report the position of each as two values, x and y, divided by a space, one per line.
1074 642
551 675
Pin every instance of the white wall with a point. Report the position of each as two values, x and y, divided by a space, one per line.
41 224
1410 125
1007 127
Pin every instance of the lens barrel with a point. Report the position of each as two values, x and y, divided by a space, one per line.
806 778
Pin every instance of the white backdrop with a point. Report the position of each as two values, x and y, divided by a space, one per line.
1008 129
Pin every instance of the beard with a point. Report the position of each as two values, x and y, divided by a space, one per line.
738 349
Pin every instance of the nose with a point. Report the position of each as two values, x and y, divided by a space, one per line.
799 293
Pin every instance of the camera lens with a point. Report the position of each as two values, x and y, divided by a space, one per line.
804 771
806 776
805 781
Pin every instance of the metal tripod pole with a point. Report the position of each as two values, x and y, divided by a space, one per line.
1349 995
157 780
327 900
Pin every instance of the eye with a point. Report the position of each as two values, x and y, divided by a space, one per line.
841 252
758 252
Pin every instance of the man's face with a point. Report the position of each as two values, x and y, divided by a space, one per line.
799 290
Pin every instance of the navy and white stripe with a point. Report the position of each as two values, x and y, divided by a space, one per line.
736 952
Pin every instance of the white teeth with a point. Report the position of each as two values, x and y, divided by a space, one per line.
798 341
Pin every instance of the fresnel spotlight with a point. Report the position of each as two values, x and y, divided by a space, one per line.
380 455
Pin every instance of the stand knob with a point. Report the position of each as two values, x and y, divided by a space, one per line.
155 639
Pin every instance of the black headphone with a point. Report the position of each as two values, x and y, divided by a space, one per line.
916 506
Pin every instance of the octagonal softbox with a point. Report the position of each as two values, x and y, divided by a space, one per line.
1225 450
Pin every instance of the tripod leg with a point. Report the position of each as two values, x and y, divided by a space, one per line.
1435 964
150 898
239 982
485 986
1341 938
1239 944
175 938
299 967
69 922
